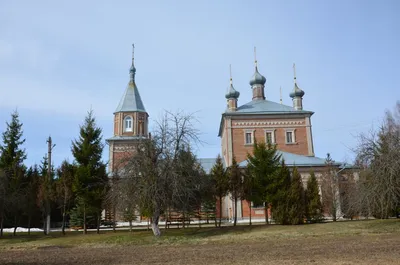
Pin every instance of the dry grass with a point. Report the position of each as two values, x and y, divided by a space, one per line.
356 242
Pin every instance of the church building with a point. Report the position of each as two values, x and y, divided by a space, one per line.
130 124
260 119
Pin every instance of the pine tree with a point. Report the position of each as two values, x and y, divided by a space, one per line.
263 164
220 178
296 199
11 163
91 181
313 200
235 185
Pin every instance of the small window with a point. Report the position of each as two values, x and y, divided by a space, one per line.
248 138
128 124
268 136
290 136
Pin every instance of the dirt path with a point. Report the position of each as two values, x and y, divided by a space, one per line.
371 249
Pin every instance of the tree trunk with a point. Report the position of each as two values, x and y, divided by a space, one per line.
64 214
250 212
48 223
29 224
44 224
114 217
235 215
84 219
266 212
63 220
220 210
63 223
15 225
1 225
154 225
130 226
98 222
148 223
215 217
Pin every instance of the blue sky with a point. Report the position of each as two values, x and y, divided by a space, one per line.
58 59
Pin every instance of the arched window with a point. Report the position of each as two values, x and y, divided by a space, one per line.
128 124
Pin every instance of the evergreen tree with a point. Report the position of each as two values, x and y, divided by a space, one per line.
31 210
221 181
296 199
11 163
313 200
248 193
263 164
235 185
279 201
45 195
65 174
91 181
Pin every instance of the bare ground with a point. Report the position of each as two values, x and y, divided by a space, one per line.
356 248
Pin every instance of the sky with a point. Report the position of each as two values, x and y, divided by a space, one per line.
59 59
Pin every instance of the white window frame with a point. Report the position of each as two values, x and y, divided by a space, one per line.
252 137
126 129
257 207
273 139
293 131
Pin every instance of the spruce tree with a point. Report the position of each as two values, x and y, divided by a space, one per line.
91 181
45 197
279 201
65 174
220 178
235 185
296 199
313 200
263 164
12 157
31 189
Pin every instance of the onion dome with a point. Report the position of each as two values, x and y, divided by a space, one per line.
232 93
257 78
297 92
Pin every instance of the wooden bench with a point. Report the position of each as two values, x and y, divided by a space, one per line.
177 219
201 215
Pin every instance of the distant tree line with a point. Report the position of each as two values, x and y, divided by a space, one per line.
73 191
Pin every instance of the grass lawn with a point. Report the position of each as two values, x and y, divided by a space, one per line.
352 242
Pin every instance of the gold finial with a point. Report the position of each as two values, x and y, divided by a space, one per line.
294 72
255 56
280 89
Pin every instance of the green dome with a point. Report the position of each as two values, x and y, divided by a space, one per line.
297 92
232 93
257 79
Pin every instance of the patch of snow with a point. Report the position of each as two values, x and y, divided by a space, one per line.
21 229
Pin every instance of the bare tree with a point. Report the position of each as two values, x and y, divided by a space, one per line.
155 173
330 189
65 173
379 154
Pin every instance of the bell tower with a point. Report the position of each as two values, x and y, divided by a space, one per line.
130 123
